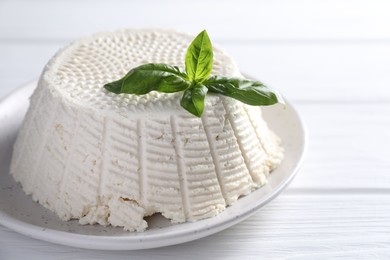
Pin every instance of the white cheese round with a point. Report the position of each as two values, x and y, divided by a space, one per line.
92 155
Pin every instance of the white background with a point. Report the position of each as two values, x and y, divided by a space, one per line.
330 58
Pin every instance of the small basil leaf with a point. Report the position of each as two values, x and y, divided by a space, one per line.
250 92
199 58
149 77
193 99
115 86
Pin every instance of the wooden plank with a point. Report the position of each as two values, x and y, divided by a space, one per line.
318 72
302 72
348 147
325 226
246 19
330 57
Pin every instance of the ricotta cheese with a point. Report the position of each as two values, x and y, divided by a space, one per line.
103 158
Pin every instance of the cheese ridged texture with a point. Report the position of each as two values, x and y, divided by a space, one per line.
91 155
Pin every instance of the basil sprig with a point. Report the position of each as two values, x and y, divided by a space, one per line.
195 81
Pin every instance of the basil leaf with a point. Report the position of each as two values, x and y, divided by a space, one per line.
195 82
199 58
250 92
193 99
149 77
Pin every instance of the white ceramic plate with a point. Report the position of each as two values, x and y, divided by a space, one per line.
18 211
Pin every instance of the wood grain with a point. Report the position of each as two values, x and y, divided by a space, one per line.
348 146
280 19
330 58
294 226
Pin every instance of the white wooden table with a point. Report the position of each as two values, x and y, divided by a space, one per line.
330 58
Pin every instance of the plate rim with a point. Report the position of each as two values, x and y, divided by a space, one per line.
153 240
